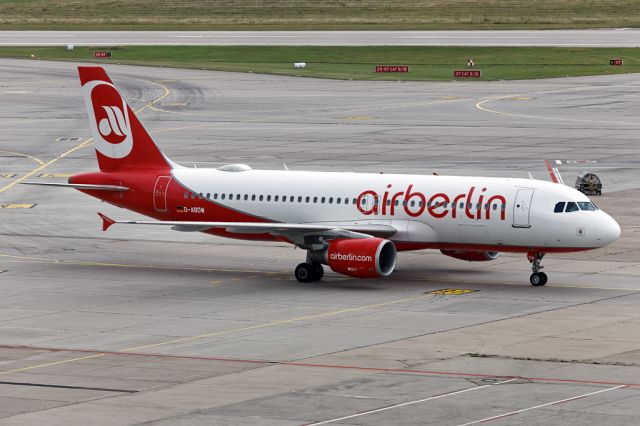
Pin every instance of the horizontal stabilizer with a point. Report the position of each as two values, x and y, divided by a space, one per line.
87 186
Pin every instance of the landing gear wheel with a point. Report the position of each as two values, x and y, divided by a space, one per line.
318 271
538 279
544 277
305 272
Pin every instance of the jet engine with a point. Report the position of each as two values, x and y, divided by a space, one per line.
359 257
472 256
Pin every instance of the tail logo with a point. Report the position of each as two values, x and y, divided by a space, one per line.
110 119
113 127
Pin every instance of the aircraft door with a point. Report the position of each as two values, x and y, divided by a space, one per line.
160 193
522 208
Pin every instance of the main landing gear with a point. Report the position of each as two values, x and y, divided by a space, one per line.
308 272
537 278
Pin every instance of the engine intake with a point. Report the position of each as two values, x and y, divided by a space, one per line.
472 256
360 257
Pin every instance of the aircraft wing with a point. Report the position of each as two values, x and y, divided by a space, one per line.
293 231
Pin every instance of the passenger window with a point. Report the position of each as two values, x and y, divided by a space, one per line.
208 195
354 201
315 199
222 196
299 199
495 207
388 202
462 205
412 203
261 198
346 201
284 198
215 196
246 197
322 200
186 195
253 197
338 200
238 197
307 199
571 207
193 195
559 207
331 200
268 197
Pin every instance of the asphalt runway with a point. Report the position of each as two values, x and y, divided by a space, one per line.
136 325
611 37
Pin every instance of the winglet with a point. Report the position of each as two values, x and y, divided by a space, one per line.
106 221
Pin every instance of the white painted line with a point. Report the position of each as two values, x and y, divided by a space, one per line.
558 161
409 403
541 406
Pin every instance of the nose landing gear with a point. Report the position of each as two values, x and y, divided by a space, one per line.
537 278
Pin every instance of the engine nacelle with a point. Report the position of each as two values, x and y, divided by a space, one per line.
472 256
360 257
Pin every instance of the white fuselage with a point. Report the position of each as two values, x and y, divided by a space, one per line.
503 213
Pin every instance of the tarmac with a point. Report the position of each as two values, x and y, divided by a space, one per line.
136 326
599 37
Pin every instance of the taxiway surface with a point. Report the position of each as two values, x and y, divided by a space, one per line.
138 325
606 37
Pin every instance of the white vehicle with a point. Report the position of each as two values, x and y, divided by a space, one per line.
353 222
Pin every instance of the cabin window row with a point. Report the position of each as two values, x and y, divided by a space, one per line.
270 198
329 200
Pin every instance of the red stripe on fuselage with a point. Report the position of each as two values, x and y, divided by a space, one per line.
412 246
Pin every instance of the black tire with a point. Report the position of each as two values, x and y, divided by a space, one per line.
537 279
304 273
544 278
318 271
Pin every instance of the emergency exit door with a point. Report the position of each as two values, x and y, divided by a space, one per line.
522 208
160 193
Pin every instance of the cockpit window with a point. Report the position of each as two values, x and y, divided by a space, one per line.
585 205
571 207
559 207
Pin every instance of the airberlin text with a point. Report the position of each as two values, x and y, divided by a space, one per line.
351 257
439 205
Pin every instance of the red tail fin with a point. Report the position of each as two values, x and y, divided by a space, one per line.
120 139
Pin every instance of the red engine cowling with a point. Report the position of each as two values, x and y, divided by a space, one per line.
361 257
472 256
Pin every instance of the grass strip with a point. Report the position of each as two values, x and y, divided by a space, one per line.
316 15
359 63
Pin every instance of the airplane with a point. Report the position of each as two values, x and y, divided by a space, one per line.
355 223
